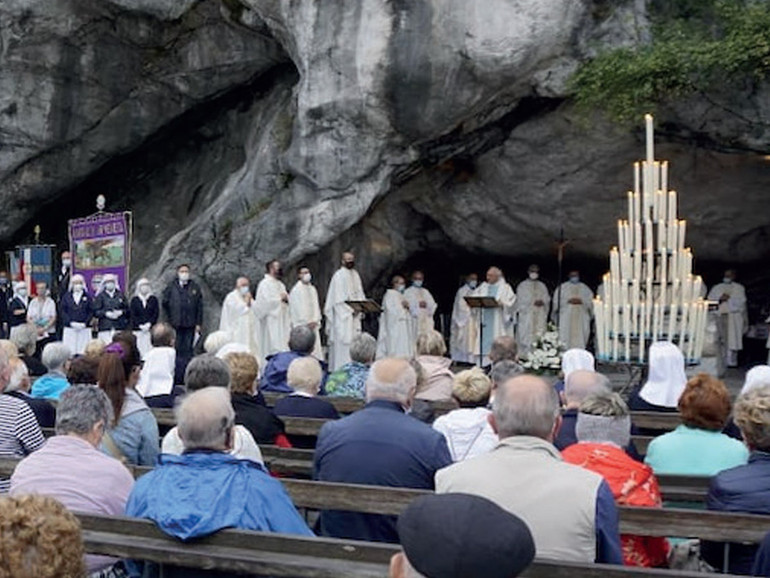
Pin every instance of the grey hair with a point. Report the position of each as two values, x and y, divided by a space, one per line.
206 371
302 339
530 412
504 370
604 418
215 341
582 383
605 404
80 408
363 348
25 338
504 347
162 335
18 373
400 390
430 343
55 355
205 418
305 374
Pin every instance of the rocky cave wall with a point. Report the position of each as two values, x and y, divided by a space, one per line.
432 134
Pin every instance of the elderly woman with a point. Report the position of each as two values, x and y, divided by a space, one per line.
132 436
56 357
665 381
70 466
698 447
19 385
467 430
76 314
439 379
350 379
603 431
745 488
25 340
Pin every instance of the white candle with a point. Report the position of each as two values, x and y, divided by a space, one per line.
691 330
607 323
621 238
701 335
656 180
599 320
683 325
630 207
637 187
637 208
627 332
672 316
642 329
664 176
671 205
661 236
650 139
655 321
688 265
635 318
649 246
681 234
655 201
614 264
697 287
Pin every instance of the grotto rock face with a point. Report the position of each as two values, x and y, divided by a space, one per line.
241 130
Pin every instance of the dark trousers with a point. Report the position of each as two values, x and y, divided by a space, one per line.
184 351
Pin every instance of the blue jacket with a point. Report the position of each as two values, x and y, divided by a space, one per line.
136 433
274 378
201 492
379 445
49 386
743 489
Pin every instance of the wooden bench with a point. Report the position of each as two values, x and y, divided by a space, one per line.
656 420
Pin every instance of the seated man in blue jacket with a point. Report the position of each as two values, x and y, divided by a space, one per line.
205 489
378 445
301 344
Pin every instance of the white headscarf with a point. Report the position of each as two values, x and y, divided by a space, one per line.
78 277
137 293
756 377
666 379
20 285
109 277
574 359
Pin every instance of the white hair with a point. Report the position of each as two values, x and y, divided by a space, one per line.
581 383
205 418
18 375
216 341
399 386
305 374
55 355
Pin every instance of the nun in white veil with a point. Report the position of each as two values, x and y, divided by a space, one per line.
666 380
144 314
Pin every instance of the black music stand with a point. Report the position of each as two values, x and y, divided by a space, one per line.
481 303
364 306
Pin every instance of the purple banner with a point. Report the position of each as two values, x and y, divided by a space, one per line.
100 244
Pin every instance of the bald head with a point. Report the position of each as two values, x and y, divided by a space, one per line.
581 384
391 380
493 275
205 419
526 406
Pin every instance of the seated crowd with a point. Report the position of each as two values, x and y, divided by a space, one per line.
517 465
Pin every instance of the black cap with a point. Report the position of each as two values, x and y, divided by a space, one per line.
460 535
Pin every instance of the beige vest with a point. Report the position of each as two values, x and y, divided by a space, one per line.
526 476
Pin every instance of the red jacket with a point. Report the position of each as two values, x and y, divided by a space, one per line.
633 484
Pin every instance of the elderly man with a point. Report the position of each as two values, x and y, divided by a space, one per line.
19 385
239 318
498 321
531 308
56 357
20 434
156 382
272 308
579 385
457 536
70 466
397 336
304 307
379 445
204 489
208 371
732 319
572 310
570 511
422 305
350 379
463 327
301 344
342 324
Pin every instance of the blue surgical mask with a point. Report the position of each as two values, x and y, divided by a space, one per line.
400 288
574 279
727 280
109 286
473 284
417 283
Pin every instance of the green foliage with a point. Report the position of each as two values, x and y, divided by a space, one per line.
696 45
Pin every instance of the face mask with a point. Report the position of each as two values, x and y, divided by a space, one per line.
3 281
473 284
400 288
66 262
184 277
417 283
109 286
22 292
77 287
727 280
534 276
574 279
350 264
144 289
307 278
244 289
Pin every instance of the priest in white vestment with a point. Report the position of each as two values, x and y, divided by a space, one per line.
532 300
463 329
732 319
239 317
396 337
272 309
342 324
496 321
304 307
421 304
572 309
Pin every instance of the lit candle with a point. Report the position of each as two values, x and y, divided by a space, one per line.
697 287
650 139
614 264
672 205
630 207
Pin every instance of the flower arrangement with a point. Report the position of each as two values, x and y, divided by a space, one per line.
545 354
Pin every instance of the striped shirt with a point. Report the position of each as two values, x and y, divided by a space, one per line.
20 434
